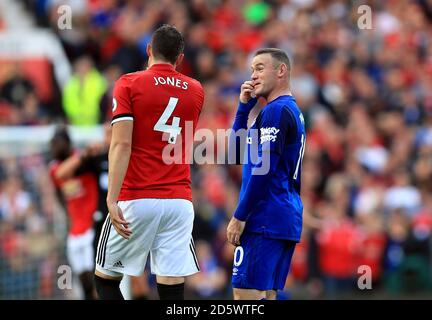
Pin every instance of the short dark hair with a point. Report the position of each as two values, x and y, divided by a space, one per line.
277 54
61 133
60 144
167 43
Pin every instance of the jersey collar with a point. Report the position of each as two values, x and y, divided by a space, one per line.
162 66
289 96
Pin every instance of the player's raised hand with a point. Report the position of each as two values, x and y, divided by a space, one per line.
246 91
95 149
118 221
234 231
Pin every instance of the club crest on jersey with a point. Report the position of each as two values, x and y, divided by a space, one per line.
268 134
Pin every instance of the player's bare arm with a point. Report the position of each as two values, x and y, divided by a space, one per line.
118 158
247 102
68 167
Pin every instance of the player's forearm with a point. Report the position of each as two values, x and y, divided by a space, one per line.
68 167
237 138
118 160
242 115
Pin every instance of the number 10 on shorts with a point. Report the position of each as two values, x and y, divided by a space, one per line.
238 256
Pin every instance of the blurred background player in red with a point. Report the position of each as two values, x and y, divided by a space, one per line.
94 159
79 196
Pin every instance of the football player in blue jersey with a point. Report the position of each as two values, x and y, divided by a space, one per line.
267 223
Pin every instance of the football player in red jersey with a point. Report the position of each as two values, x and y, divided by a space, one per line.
79 195
149 199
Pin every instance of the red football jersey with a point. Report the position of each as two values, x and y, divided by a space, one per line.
164 106
81 196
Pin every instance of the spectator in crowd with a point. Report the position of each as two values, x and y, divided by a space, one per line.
83 93
15 203
17 87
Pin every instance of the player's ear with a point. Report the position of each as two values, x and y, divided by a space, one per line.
282 70
179 59
149 50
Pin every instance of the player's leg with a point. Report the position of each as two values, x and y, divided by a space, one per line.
80 257
139 287
173 254
86 279
107 282
271 294
87 260
117 256
108 285
170 288
248 294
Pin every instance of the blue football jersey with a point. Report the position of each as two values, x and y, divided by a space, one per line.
278 130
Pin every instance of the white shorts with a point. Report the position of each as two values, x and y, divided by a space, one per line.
80 253
161 227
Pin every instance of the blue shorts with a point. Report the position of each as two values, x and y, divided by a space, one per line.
261 263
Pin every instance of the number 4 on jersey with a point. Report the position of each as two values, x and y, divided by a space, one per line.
161 125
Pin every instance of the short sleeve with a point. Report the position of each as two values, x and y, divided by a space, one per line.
121 105
276 129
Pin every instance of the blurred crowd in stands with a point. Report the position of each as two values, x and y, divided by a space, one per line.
367 99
